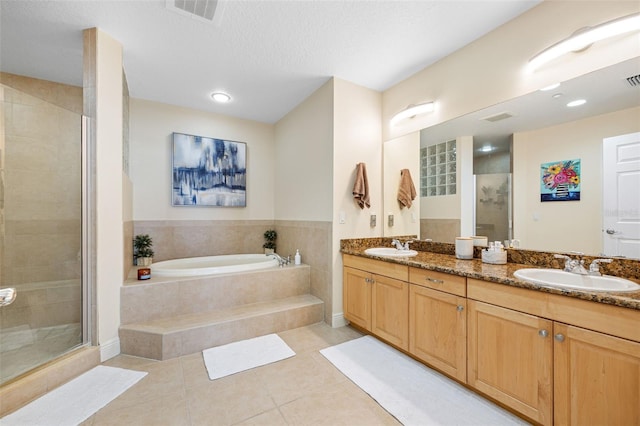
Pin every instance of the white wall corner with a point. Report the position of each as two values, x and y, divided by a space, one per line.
110 349
338 320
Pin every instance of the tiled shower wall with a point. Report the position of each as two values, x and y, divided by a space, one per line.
440 230
193 238
42 151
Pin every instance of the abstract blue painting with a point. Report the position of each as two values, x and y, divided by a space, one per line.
208 172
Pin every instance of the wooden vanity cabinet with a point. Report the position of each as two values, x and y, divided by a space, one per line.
356 297
510 359
376 298
523 352
596 378
437 321
389 304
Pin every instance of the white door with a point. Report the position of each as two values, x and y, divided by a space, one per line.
621 195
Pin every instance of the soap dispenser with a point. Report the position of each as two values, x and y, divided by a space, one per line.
296 258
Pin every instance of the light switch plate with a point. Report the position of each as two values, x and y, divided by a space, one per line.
390 220
372 221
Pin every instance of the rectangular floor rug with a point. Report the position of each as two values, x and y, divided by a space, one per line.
411 392
77 400
235 357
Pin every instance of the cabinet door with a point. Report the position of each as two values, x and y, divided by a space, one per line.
596 378
390 304
357 297
510 357
438 330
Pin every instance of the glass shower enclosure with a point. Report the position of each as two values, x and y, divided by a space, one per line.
41 250
493 206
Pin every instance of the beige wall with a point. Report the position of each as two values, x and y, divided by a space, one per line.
103 98
151 128
491 69
564 226
304 170
304 159
356 139
400 153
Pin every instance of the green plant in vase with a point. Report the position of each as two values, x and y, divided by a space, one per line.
142 250
270 236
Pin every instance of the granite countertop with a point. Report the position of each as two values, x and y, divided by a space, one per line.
502 274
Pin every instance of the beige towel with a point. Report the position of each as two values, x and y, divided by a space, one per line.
361 186
406 190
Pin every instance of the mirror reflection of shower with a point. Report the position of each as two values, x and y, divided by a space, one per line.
40 229
492 165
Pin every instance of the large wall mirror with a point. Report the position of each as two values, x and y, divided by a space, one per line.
527 134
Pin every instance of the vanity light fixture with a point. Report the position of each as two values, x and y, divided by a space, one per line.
576 103
220 97
584 38
411 111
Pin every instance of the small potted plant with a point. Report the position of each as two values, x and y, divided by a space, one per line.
142 249
270 236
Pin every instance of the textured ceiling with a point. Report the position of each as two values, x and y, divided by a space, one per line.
268 55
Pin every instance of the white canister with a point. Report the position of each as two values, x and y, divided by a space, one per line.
464 248
480 241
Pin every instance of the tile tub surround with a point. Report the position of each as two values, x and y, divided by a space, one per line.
174 239
163 318
503 274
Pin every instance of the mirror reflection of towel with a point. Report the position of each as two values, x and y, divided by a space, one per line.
361 186
406 190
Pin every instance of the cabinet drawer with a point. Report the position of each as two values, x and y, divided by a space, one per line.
387 269
610 319
449 283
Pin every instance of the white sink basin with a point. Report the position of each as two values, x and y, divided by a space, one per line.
562 279
390 252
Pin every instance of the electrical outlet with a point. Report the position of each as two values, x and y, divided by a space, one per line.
372 221
390 220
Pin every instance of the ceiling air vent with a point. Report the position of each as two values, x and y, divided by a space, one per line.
498 117
634 80
204 10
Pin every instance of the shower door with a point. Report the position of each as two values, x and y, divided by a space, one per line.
40 232
493 206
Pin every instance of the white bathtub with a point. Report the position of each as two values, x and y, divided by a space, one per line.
212 265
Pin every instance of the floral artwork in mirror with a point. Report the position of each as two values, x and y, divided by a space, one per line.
560 181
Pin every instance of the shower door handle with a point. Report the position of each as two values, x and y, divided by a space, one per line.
7 296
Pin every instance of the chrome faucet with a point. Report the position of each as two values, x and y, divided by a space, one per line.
399 245
281 260
575 266
594 268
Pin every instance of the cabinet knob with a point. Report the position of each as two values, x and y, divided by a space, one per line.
559 337
459 308
543 333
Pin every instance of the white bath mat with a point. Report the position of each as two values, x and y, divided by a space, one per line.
77 400
411 392
235 357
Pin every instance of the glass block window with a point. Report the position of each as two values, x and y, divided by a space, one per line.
438 169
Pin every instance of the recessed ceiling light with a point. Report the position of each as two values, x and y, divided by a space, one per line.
577 102
220 97
550 87
556 95
486 148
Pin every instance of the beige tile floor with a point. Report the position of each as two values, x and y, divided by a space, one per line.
303 390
